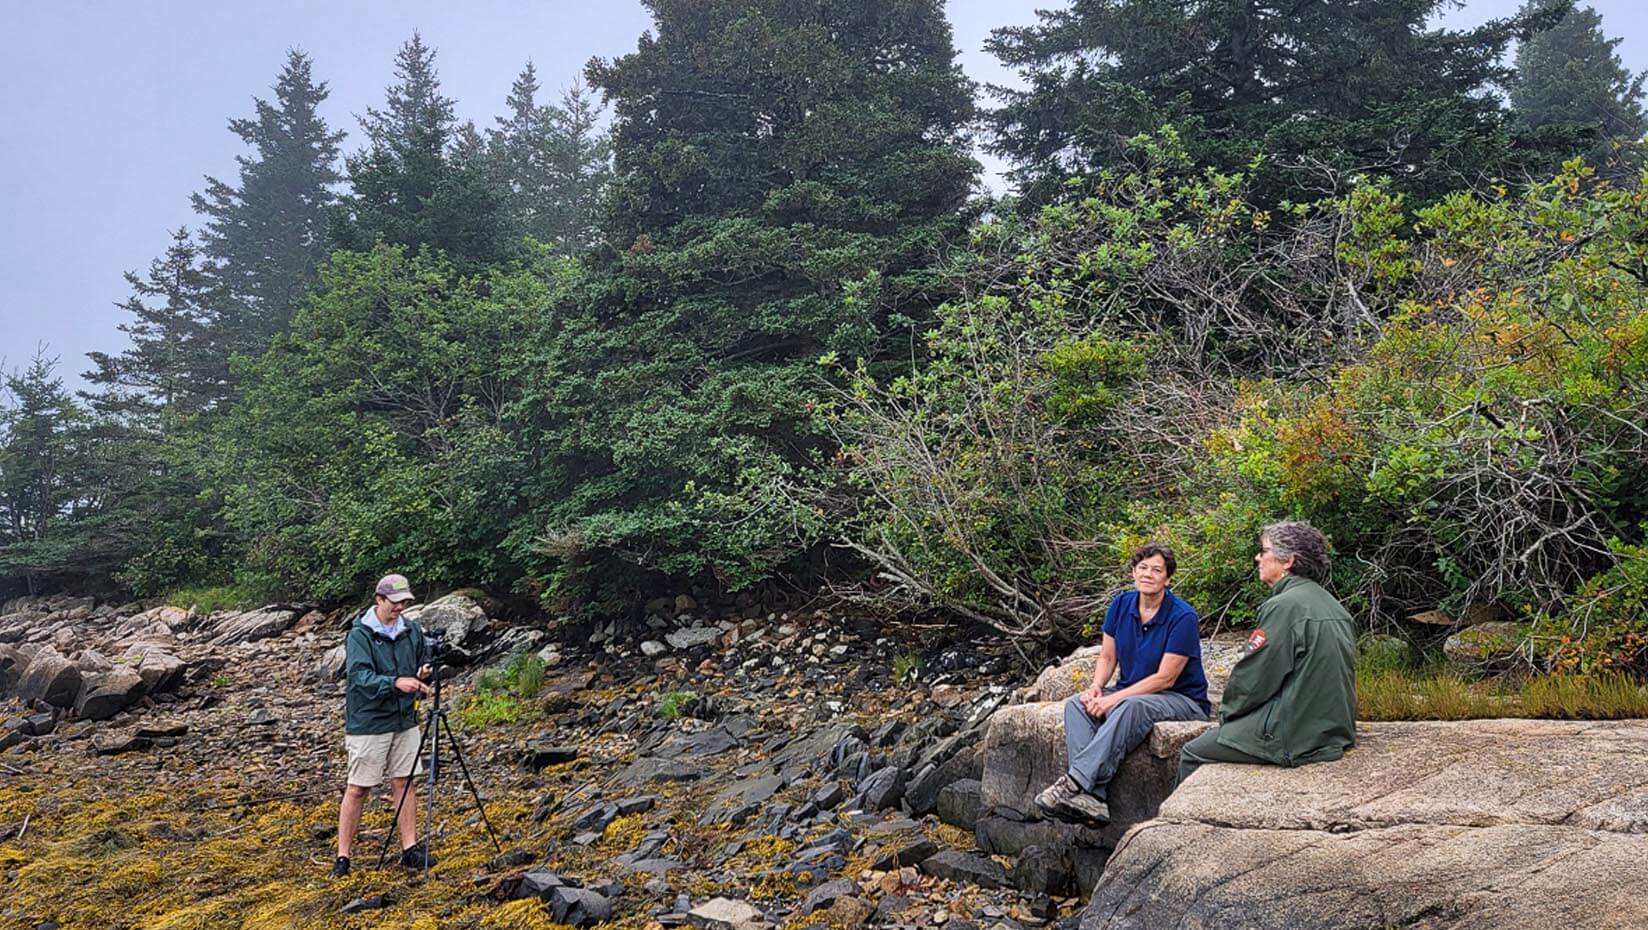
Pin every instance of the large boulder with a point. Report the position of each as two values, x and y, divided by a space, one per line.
254 625
106 694
11 666
160 669
50 677
1504 824
457 615
1024 752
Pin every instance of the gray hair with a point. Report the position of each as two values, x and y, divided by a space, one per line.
1301 542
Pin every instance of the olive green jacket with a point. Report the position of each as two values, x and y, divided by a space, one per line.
371 663
1292 699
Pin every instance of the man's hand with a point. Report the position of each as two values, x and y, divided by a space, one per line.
425 672
410 685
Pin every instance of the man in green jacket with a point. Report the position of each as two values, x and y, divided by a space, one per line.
1291 700
385 674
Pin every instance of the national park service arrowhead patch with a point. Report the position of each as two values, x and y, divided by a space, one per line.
1256 641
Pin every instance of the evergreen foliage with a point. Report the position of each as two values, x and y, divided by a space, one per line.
44 435
554 161
1356 86
1570 83
595 365
421 179
264 237
788 175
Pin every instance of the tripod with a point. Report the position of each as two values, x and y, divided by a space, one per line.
434 725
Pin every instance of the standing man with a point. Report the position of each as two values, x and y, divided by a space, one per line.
385 675
1291 700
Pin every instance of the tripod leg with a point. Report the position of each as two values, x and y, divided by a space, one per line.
394 823
463 767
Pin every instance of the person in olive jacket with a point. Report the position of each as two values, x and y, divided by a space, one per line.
1291 699
384 673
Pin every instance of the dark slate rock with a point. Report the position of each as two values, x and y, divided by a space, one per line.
912 854
540 754
370 903
39 724
827 797
1043 871
698 745
950 761
119 743
578 907
652 770
826 894
887 734
738 802
639 804
537 883
958 803
882 790
960 866
595 818
508 860
659 866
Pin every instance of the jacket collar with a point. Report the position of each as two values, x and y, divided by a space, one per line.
1290 580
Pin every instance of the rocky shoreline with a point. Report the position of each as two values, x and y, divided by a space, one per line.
734 770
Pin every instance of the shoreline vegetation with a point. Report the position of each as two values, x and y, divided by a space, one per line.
761 344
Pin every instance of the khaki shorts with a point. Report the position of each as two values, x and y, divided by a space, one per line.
376 756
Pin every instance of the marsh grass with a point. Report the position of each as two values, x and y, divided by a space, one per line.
1440 694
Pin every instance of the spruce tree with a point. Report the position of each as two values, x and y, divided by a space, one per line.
43 435
1570 84
554 163
787 177
1354 86
177 366
414 184
265 236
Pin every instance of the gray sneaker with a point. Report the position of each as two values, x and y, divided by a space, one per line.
1054 795
1083 806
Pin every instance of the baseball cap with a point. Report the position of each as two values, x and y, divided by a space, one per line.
395 587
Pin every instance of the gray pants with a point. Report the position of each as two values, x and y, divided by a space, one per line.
1097 746
1207 748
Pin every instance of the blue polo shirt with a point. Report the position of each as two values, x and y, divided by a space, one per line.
1139 646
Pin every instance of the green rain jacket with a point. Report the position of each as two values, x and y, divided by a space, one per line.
371 663
1291 699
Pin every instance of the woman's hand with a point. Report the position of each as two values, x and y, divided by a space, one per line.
1093 701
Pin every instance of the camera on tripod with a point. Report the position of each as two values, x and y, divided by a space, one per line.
435 646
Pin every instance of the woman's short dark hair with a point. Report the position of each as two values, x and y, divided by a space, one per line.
1301 542
1149 549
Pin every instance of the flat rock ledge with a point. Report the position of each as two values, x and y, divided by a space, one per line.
1502 824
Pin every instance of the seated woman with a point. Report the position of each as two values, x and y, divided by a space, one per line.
1291 699
1153 637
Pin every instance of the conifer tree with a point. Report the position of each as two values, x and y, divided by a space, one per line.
43 436
1570 83
554 163
1355 86
177 366
265 236
786 176
414 184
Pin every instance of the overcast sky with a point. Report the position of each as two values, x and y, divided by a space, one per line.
117 110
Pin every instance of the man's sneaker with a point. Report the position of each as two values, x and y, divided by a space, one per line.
340 868
417 857
1054 795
